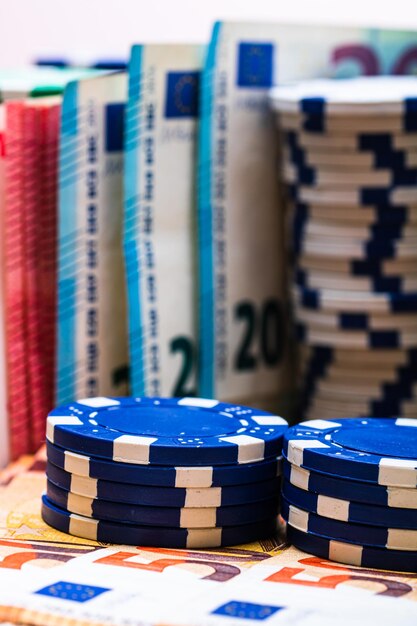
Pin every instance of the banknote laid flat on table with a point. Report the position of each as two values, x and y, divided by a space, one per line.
47 575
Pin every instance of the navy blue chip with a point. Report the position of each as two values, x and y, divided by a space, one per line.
160 515
368 535
358 513
166 431
354 449
147 495
365 556
163 476
132 534
336 487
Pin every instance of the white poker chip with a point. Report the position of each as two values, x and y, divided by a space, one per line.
332 160
333 413
330 409
322 247
382 95
384 339
322 228
371 359
351 143
338 321
346 125
343 179
346 266
328 280
346 392
355 196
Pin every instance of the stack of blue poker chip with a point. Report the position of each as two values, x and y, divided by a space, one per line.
165 472
349 160
349 491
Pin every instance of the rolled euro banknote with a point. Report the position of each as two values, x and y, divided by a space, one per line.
159 237
92 340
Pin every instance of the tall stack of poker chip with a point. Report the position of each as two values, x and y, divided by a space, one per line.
350 491
349 159
180 473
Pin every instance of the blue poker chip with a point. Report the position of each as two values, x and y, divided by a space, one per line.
378 282
352 553
387 401
163 476
317 299
163 516
379 247
374 408
347 511
162 496
361 96
354 196
382 229
130 534
399 498
384 217
166 431
360 339
375 143
353 320
323 356
366 535
385 159
381 451
368 339
306 174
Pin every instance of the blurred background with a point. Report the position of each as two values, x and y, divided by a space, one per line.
89 29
